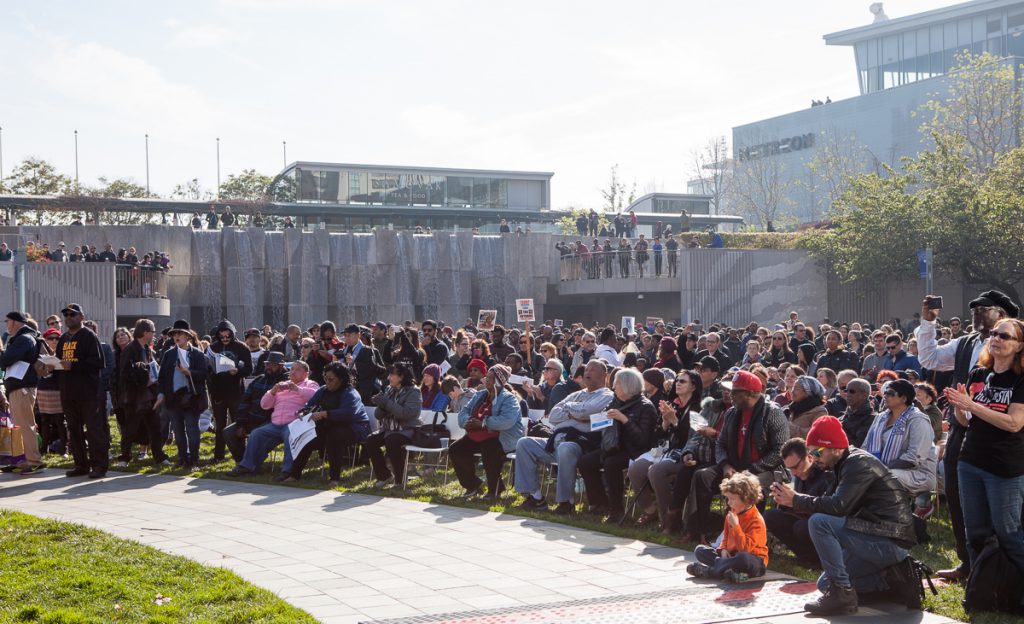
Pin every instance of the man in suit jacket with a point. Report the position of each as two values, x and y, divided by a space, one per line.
365 363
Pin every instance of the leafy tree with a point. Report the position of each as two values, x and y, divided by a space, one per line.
283 189
35 176
248 185
191 189
615 196
837 158
567 222
984 106
118 187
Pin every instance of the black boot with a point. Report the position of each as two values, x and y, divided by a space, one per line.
836 600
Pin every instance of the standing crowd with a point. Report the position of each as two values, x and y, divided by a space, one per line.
834 441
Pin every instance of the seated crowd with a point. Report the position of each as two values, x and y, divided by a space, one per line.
833 442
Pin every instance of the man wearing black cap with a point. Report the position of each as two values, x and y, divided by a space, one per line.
364 363
20 384
437 351
709 370
250 413
960 355
81 360
256 352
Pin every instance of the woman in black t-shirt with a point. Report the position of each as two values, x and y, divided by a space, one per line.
991 467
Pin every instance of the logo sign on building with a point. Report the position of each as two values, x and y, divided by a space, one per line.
773 148
524 310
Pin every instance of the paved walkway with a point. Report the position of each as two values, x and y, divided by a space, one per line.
348 558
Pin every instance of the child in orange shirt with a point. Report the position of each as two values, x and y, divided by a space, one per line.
743 552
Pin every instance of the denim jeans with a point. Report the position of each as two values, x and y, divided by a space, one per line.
185 426
850 557
530 452
992 505
262 440
751 565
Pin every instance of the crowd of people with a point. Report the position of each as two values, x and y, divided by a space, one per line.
129 256
831 441
227 218
582 261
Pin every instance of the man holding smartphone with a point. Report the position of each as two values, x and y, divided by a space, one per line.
786 524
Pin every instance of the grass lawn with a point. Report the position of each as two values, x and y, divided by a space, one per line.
938 554
60 573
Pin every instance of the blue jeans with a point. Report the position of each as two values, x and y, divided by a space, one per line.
185 426
530 452
262 440
992 505
749 564
850 557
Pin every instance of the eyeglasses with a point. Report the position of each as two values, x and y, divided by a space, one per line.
1002 335
892 348
889 394
551 368
842 388
815 452
683 380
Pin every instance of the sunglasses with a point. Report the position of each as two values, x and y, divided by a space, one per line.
68 315
889 394
892 348
551 368
1002 335
842 388
815 452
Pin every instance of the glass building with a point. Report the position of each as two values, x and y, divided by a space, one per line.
380 196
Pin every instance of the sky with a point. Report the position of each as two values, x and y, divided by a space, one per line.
568 87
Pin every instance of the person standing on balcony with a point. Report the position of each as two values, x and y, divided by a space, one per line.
641 255
211 218
672 248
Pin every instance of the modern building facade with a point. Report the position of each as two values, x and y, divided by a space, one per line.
901 65
361 197
668 208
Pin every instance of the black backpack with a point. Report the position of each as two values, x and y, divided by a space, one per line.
994 583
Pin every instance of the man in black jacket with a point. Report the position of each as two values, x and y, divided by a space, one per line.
715 350
250 414
859 416
20 383
78 377
753 432
789 526
836 357
226 387
364 362
861 529
139 391
437 351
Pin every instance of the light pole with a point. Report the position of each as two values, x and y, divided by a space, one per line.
1 158
76 162
218 167
284 152
147 164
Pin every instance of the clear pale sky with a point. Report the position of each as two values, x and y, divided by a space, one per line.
568 87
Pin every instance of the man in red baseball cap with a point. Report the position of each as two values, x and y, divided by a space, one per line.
753 432
861 528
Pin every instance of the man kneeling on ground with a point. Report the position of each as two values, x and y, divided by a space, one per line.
861 529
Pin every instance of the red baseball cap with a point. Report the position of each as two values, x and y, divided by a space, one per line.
745 380
827 432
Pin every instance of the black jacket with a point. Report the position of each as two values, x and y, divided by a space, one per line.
724 359
437 352
838 360
193 402
225 387
856 424
22 347
368 372
636 436
868 496
133 379
83 350
769 430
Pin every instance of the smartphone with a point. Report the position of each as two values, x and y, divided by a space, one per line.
934 302
781 477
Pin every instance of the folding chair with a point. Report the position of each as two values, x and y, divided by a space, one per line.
439 455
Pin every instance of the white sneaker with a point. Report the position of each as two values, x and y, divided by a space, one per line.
384 482
121 464
165 462
143 455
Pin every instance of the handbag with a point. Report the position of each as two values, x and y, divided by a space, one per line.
12 445
429 436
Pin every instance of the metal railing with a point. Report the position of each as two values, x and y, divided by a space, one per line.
613 264
135 282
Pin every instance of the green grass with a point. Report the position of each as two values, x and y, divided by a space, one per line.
60 573
939 553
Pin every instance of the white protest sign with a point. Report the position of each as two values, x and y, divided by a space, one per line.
524 310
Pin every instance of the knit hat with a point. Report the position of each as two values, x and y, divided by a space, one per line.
827 432
668 346
654 376
434 371
477 364
16 316
709 362
501 374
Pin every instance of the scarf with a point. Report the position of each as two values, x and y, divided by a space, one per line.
803 405
891 450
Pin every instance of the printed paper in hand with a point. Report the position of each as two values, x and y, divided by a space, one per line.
445 367
16 370
224 363
517 380
50 360
300 432
600 420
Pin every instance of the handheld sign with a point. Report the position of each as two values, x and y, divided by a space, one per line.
628 324
524 310
600 420
485 321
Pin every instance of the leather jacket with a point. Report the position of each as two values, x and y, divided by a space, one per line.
868 495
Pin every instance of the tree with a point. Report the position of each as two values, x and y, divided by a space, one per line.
119 188
567 222
983 105
616 198
248 186
191 190
760 189
35 176
712 167
838 158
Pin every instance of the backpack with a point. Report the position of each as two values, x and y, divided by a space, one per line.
994 583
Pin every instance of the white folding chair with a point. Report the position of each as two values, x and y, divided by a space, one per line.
438 456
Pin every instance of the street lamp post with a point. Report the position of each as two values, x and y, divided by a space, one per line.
147 164
1 158
76 163
218 167
284 152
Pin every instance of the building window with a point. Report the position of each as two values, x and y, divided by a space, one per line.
460 191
